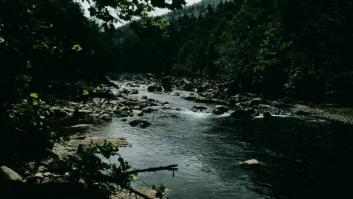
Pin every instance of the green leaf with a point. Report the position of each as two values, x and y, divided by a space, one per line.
76 48
85 92
2 40
35 102
34 95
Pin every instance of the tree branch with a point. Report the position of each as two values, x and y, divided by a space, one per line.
172 167
137 192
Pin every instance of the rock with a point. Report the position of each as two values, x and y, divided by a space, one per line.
96 100
46 174
39 175
166 106
164 102
134 91
189 97
302 113
80 126
198 108
203 99
105 116
256 101
280 104
220 109
42 168
71 146
9 175
144 97
167 83
137 112
187 85
154 88
31 165
148 110
243 113
127 195
267 116
249 162
139 123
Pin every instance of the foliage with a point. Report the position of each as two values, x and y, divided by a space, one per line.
161 191
296 48
88 168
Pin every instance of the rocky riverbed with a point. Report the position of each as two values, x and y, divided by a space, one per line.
121 100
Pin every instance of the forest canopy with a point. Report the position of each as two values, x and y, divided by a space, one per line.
301 49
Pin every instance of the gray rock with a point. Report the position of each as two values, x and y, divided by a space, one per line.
7 174
198 108
136 112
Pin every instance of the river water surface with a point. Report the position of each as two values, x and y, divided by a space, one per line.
300 157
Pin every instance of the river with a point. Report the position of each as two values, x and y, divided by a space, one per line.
299 157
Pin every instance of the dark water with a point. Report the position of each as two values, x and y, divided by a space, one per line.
300 157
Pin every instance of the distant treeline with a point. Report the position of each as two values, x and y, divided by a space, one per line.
298 48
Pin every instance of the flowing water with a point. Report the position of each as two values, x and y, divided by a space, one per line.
298 156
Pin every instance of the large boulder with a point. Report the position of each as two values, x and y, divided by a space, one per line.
9 175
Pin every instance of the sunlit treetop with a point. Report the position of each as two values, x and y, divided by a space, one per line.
114 11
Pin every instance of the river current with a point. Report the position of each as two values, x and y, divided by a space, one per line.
299 157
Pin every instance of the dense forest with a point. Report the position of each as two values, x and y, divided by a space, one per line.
58 59
301 49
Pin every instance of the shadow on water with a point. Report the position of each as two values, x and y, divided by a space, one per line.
301 158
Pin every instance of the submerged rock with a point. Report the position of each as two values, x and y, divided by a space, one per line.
139 123
9 175
220 109
198 108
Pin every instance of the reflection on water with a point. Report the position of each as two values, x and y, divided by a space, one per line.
300 158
